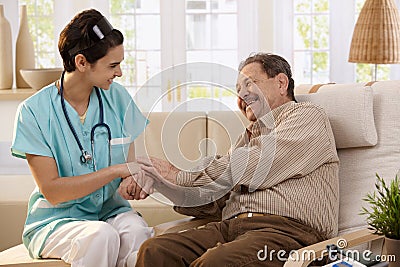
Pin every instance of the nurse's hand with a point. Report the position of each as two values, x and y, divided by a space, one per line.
126 187
136 187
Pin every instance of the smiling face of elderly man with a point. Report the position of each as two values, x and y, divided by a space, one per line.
258 93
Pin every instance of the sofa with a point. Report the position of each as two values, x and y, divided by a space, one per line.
365 119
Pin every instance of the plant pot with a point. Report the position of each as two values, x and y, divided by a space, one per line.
393 251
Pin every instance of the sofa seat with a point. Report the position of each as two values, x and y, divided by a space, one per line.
18 256
156 210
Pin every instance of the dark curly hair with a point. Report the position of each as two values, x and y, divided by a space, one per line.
78 35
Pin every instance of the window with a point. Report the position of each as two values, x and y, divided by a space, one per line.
211 36
311 41
203 31
139 21
159 35
315 37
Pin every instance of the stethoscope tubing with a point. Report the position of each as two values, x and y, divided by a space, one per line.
85 156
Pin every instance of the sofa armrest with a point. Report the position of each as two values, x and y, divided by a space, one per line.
180 225
320 249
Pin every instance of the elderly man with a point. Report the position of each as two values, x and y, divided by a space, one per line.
275 191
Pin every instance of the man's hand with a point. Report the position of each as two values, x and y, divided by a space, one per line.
127 169
164 175
158 169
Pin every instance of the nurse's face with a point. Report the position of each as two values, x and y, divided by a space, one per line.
108 67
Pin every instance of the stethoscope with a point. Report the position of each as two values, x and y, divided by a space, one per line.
86 157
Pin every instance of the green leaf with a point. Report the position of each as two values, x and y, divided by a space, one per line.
384 212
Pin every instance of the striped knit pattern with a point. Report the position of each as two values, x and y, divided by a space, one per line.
288 167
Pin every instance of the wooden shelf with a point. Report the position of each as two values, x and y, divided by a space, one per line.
16 93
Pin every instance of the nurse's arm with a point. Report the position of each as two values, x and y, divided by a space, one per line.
128 188
131 153
58 189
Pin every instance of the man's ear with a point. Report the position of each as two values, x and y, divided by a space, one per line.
81 63
283 81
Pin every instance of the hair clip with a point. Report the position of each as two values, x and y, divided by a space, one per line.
98 32
101 29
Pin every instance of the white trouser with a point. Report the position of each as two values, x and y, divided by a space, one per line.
98 243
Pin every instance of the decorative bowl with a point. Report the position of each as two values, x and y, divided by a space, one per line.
38 78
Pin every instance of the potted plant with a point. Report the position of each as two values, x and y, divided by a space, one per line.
384 215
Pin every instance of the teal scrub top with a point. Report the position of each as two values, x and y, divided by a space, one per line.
41 129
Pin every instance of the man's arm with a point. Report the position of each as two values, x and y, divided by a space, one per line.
194 201
164 175
298 145
212 210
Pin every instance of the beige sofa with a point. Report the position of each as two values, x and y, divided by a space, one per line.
365 119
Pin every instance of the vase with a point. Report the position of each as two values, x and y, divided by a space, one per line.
6 63
393 251
25 53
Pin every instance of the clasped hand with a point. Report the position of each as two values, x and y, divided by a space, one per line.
144 175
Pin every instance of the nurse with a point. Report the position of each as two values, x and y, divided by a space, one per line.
77 135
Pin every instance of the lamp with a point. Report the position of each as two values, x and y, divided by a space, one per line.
376 36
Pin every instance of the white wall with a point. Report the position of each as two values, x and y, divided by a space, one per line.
9 164
7 114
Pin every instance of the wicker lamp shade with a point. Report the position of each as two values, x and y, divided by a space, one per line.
376 36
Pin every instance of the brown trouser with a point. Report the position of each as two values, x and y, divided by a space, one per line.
256 241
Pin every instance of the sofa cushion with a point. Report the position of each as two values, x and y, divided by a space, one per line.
358 166
350 111
179 137
223 129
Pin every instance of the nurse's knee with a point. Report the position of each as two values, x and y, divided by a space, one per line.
103 233
97 238
141 234
136 230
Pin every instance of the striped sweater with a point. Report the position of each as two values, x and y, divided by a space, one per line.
288 167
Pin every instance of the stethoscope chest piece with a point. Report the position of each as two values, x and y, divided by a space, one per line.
86 157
